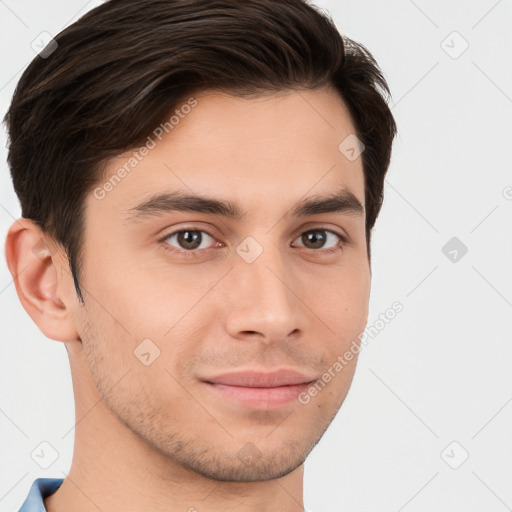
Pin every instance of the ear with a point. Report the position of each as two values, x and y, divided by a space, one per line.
44 287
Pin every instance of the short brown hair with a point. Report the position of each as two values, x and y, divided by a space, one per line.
120 69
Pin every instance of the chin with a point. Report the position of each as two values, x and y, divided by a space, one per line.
248 464
260 470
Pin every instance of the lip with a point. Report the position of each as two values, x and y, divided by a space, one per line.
261 379
260 390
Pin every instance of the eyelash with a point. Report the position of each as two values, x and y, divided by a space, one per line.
196 252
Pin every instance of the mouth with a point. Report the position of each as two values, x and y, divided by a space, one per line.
260 390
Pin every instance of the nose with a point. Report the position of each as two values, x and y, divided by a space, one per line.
263 303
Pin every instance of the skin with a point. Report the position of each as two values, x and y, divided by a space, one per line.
156 437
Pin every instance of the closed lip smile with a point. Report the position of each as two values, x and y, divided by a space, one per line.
261 390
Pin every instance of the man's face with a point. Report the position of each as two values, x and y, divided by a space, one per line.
177 303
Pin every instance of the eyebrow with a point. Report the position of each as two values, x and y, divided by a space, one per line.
343 201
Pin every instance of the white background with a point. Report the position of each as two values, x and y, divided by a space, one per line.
441 370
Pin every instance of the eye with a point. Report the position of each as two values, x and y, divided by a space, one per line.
191 241
188 240
321 239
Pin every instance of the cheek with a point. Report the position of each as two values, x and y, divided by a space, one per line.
343 310
129 365
152 327
342 304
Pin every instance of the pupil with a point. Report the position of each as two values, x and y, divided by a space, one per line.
316 237
189 239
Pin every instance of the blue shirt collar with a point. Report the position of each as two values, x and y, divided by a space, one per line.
41 488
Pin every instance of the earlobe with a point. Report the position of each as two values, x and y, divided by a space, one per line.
40 286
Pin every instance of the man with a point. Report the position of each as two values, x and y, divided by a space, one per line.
198 182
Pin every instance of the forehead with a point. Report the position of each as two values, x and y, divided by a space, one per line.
259 150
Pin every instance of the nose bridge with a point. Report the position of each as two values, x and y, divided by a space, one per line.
265 270
263 300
